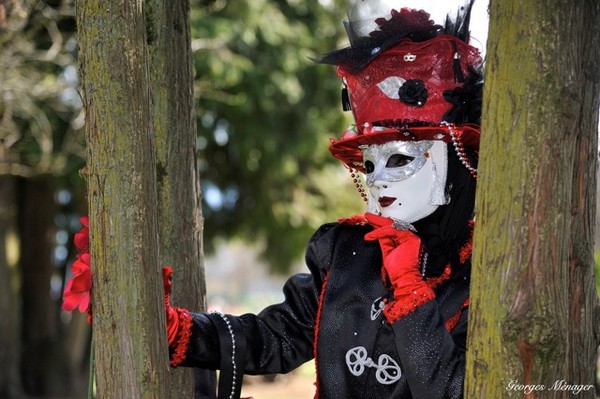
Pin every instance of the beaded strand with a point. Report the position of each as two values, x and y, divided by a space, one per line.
230 329
358 183
460 151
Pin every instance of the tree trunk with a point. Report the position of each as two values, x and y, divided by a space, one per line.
534 308
179 202
10 349
43 356
129 316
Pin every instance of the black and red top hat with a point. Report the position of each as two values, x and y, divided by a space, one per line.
410 79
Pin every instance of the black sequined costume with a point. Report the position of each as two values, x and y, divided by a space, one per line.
335 313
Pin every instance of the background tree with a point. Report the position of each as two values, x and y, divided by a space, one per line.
9 301
129 322
534 309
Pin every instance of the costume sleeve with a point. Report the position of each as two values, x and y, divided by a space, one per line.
277 340
433 359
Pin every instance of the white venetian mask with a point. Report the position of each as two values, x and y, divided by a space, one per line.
406 179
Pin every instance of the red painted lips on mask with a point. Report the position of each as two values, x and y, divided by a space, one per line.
386 201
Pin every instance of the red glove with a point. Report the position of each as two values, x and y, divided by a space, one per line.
179 322
401 252
172 315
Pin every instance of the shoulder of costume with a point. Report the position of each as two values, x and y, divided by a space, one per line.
333 228
332 237
354 220
329 233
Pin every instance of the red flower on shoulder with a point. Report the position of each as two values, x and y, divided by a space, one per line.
78 290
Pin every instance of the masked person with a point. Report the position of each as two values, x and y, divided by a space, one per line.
383 311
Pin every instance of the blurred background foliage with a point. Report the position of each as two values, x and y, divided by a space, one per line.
40 109
265 116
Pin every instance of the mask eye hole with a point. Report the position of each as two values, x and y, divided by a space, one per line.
369 167
398 160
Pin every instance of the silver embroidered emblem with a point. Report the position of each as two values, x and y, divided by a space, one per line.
376 308
388 371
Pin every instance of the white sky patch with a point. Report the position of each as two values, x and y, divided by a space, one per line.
479 25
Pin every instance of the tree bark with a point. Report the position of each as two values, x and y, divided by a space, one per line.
179 202
534 308
129 316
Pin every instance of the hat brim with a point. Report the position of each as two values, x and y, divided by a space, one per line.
347 149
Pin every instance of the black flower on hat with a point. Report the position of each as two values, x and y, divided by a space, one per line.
413 92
